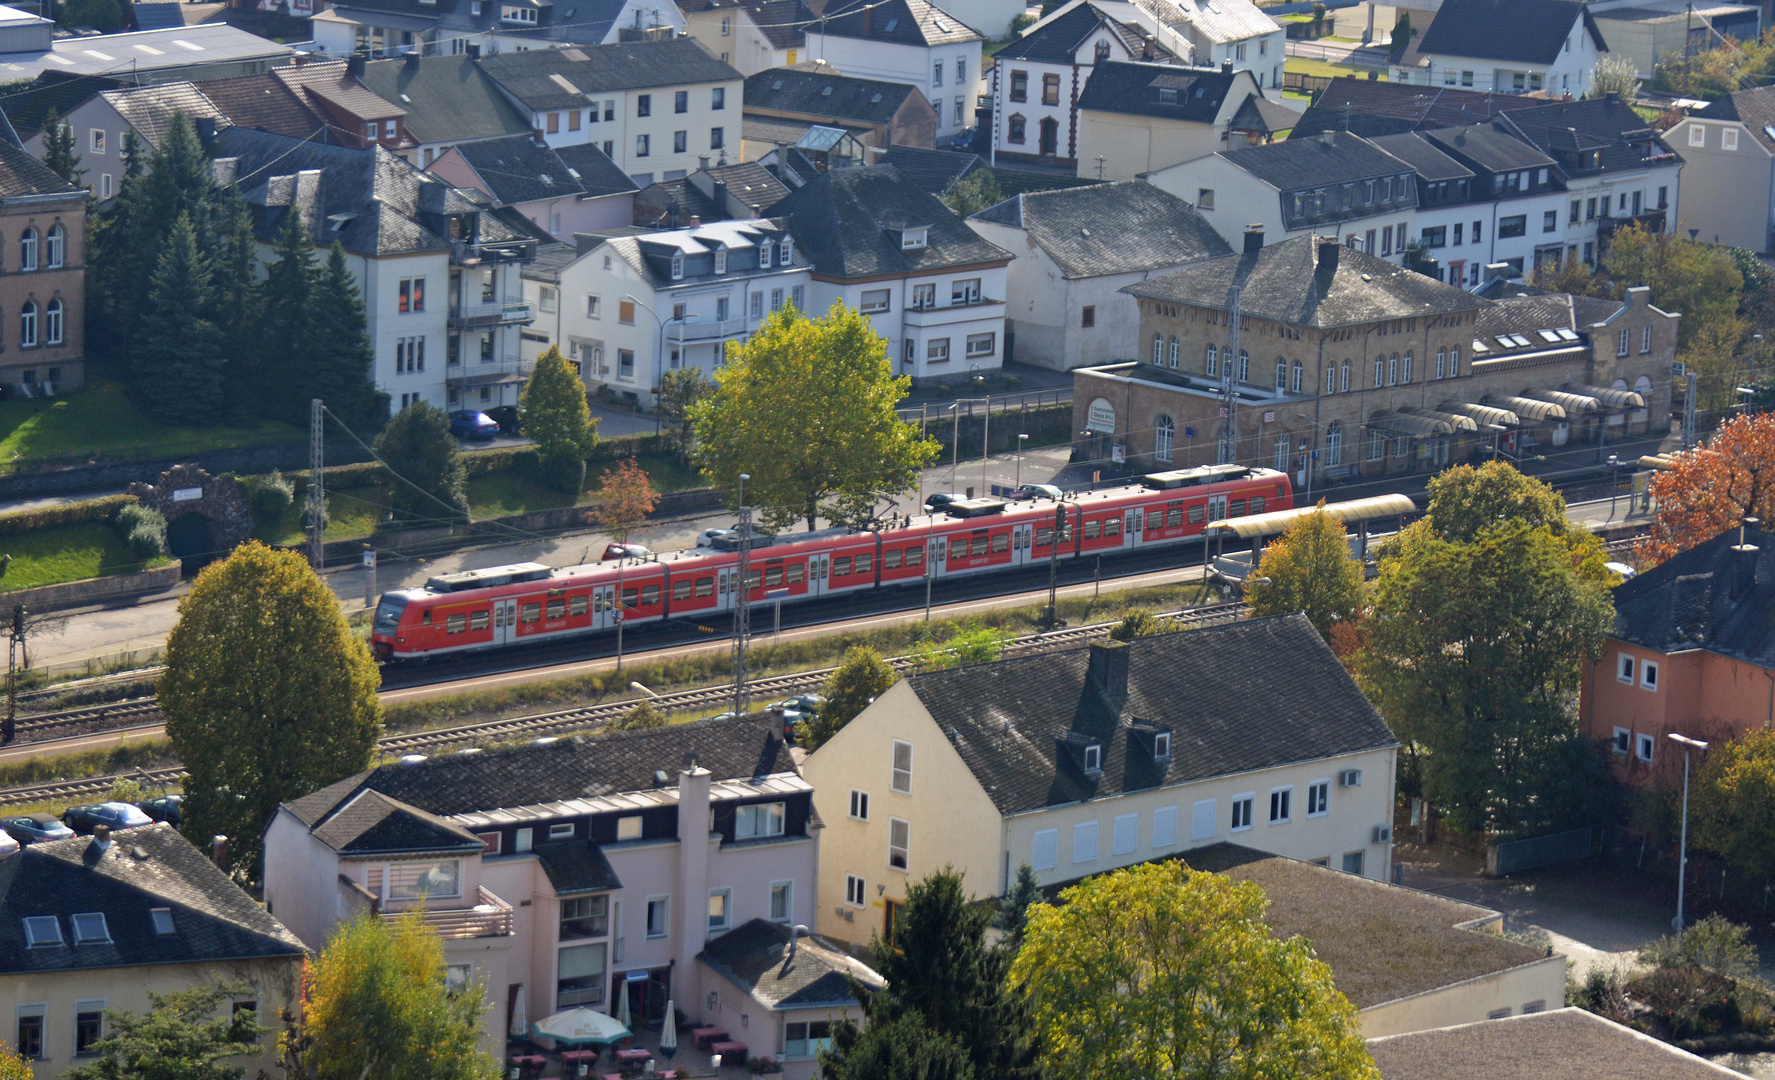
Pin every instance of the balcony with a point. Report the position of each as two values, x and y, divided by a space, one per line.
707 331
473 253
487 371
951 313
511 311
489 917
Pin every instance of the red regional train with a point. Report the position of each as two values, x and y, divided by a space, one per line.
509 605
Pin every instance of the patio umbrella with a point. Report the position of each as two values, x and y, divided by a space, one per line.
622 1006
668 1038
574 1027
520 1021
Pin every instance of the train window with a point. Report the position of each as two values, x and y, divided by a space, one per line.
890 559
865 562
1174 517
958 548
681 589
557 609
915 556
425 617
1237 509
1196 514
576 605
773 575
1278 491
980 544
797 573
478 620
530 612
752 579
705 586
1092 528
630 597
649 595
1112 526
1001 543
1257 504
841 566
1066 533
456 624
1044 537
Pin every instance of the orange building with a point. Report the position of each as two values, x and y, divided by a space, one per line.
1693 653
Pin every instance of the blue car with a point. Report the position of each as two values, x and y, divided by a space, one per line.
469 424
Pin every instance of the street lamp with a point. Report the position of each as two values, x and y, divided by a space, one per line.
1682 861
1022 437
642 689
658 375
955 443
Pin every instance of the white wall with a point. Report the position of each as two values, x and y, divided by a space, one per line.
620 134
914 65
1570 72
949 322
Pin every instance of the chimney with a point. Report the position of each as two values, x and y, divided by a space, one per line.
702 163
1226 67
474 50
1495 271
1148 47
205 127
354 65
1254 237
696 220
1744 561
1328 256
719 196
101 837
412 59
869 19
1109 669
219 852
696 849
537 134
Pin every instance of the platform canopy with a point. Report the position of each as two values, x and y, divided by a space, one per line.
1277 521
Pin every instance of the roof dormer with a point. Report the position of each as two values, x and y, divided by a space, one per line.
911 237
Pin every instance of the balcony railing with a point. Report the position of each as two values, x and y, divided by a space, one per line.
468 253
704 331
954 311
490 917
506 312
475 371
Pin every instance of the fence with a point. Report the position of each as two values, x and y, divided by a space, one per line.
1022 401
1304 84
1513 856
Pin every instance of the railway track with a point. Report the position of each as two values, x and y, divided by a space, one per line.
541 725
112 716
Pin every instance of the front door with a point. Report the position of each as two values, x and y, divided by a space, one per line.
505 621
1050 137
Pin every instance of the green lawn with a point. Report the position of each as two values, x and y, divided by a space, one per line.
66 553
102 418
1300 65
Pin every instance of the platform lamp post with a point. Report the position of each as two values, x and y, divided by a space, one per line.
1022 437
1682 860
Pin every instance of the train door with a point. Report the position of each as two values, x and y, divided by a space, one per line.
937 557
819 573
1216 508
1022 537
505 621
726 588
604 607
1133 522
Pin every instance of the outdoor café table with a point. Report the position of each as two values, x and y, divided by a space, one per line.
633 1057
729 1049
575 1057
704 1036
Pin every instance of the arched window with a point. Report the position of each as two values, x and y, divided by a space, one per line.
1213 360
1331 378
1343 380
1334 444
1280 449
52 330
1164 437
1158 350
27 324
1244 366
1643 386
1405 369
1393 369
27 250
1454 361
764 255
57 244
1299 373
1441 363
1281 375
1102 51
787 254
1380 371
1173 352
677 266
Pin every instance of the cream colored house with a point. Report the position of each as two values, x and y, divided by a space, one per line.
1728 170
1089 759
92 925
1137 118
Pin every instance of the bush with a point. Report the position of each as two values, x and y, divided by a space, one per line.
1141 622
76 513
1712 944
143 530
270 497
564 472
1691 1001
1022 23
643 715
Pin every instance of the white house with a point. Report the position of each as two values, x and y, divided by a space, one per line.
1140 118
1078 247
931 286
905 41
459 27
1218 31
632 307
1729 170
1507 46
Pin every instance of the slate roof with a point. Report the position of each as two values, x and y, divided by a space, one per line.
1754 107
150 109
1118 228
142 869
1601 123
518 169
266 103
597 173
1385 108
577 866
782 22
898 22
1333 158
582 765
1134 88
371 823
447 98
1362 288
1517 31
842 219
28 107
334 83
1057 41
21 174
534 76
813 93
748 181
935 171
1423 156
1569 1043
1011 721
1491 147
755 958
1686 602
574 21
158 16
649 253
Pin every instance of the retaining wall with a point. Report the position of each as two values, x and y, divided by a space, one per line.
111 587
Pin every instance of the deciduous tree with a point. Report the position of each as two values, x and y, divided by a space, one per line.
625 498
1734 797
267 694
379 1008
1699 280
1464 501
679 391
1310 569
974 194
178 361
1160 971
860 677
1618 74
557 417
968 645
807 408
13 1065
188 1034
1712 489
430 482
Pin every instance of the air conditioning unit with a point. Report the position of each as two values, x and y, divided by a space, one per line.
1349 778
1383 834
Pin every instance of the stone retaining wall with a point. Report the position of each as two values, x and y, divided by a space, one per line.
91 590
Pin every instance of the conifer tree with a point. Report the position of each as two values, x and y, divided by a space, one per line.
178 358
288 323
115 259
59 148
345 363
238 309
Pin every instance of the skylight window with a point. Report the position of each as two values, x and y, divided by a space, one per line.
163 920
1549 336
1566 335
90 928
42 931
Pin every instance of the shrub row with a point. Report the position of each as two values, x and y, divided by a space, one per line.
45 517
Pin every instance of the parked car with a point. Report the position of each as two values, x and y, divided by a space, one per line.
940 500
507 417
30 828
1038 491
8 846
469 424
117 815
806 703
167 808
627 551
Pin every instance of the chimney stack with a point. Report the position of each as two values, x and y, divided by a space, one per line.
1494 271
1328 256
412 59
474 50
1226 67
354 65
219 852
795 933
1744 561
1148 47
101 836
1109 669
695 220
1254 237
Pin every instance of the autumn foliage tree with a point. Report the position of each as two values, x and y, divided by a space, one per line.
557 417
1735 802
1713 488
625 498
13 1066
859 679
1310 569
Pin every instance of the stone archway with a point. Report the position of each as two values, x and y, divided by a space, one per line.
186 491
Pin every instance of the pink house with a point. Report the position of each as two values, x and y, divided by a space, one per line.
570 871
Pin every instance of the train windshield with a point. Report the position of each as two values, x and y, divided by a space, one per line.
388 613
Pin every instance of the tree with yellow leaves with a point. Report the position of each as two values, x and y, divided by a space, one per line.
1713 488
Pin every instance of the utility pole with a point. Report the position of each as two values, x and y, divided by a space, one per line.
1054 567
1229 401
1689 409
742 611
9 729
317 459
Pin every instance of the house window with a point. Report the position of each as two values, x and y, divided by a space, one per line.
1094 758
1441 363
859 804
1697 135
584 917
89 1026
1084 842
1050 89
1281 805
982 345
854 890
1242 805
658 909
1244 366
902 768
1353 863
162 918
1280 451
625 363
412 295
628 828
1017 127
1124 836
964 291
52 323
804 1040
28 250
1295 383
1334 443
1645 339
1454 353
592 308
1380 371
1318 798
57 243
625 312
899 842
1622 741
937 73
781 900
1648 675
1164 438
1515 225
1044 849
29 1043
579 974
1622 340
1405 369
874 301
1377 446
1549 221
680 141
1624 668
643 105
1645 747
1019 86
758 820
677 266
27 324
642 144
720 908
